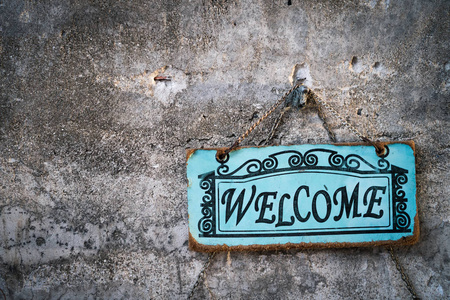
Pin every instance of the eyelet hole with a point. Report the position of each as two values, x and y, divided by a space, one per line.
381 150
221 157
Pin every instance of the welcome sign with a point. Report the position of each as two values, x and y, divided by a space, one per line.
302 196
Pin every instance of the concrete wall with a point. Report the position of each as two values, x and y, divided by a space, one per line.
92 150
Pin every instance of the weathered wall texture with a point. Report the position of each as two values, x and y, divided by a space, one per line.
92 150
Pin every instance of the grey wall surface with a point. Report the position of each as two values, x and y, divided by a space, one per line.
93 198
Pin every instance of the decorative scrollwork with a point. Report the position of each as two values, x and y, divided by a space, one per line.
223 169
253 166
206 223
310 158
295 160
336 160
401 179
400 193
383 164
207 198
270 163
206 184
353 162
206 211
402 220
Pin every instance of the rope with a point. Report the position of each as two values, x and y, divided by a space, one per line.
222 154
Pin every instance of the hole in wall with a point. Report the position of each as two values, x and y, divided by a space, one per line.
378 69
254 116
289 2
300 74
354 61
355 65
447 66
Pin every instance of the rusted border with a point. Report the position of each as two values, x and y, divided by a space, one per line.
404 241
190 151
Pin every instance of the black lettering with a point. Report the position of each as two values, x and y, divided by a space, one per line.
373 200
264 205
239 201
345 204
314 206
280 213
296 212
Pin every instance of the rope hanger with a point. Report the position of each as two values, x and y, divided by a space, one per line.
294 98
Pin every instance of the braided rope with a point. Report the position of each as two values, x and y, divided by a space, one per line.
222 154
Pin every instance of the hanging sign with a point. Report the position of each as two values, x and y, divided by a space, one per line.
302 196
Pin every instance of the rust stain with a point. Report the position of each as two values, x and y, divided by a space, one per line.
404 241
162 78
221 149
189 153
142 83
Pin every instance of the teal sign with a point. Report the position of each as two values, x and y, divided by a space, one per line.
302 196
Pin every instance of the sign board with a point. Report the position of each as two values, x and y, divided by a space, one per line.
280 197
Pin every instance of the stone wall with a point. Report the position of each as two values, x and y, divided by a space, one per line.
92 149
